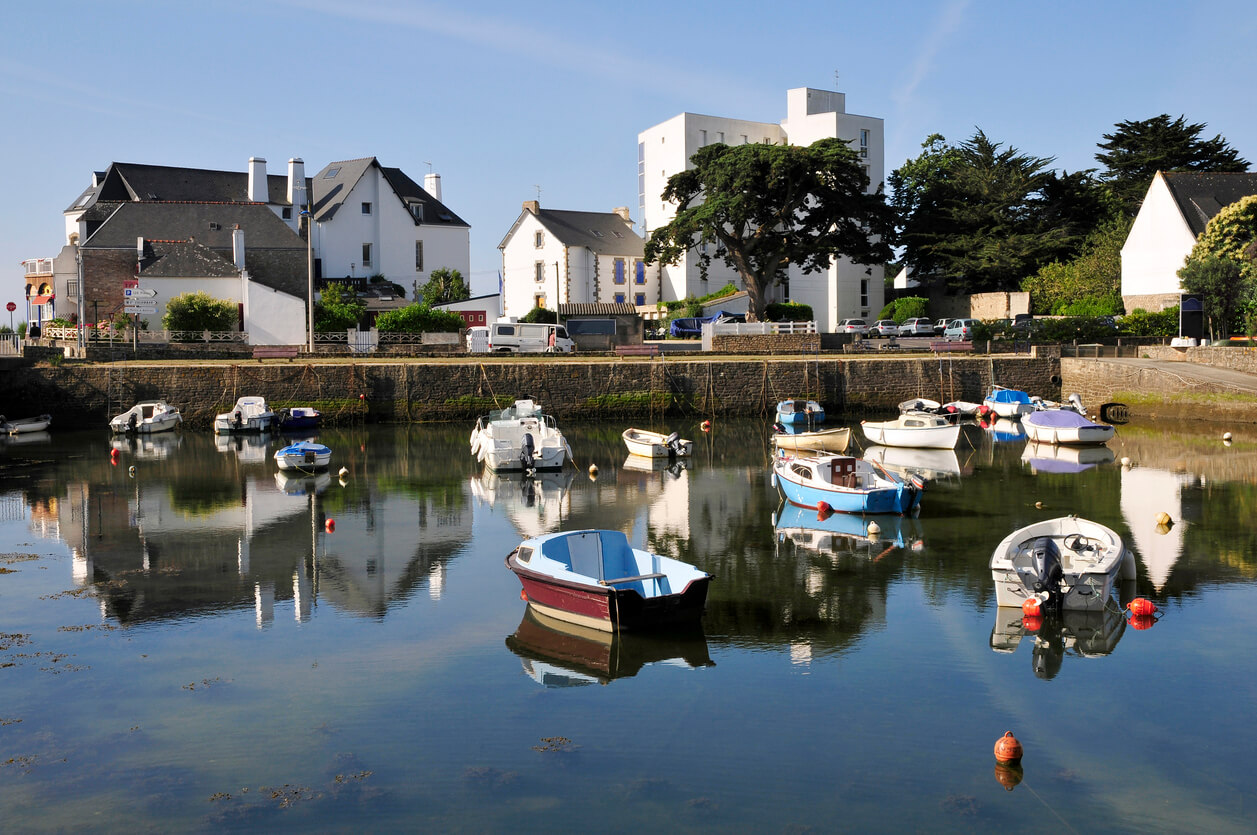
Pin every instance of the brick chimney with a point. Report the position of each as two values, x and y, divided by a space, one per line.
623 212
533 206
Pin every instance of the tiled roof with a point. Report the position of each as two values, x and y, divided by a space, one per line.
597 309
128 181
1200 196
606 233
332 186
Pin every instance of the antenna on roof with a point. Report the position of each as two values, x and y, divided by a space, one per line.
835 81
425 162
538 188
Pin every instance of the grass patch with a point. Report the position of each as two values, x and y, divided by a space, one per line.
1190 398
656 400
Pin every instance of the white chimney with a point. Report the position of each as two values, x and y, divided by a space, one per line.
237 247
623 212
139 248
432 184
296 184
258 190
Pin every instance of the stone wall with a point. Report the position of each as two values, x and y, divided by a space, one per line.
1152 392
773 343
88 395
1235 358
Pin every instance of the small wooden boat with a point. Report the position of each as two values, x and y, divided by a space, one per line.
845 484
250 414
805 412
146 418
594 578
1065 426
824 440
299 419
1066 563
920 430
655 445
1008 403
303 457
21 426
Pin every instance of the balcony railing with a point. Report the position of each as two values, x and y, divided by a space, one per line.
37 266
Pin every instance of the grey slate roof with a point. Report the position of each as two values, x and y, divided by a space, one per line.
332 185
275 256
1201 196
605 233
185 259
128 181
597 309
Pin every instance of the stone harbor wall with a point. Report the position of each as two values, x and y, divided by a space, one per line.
346 392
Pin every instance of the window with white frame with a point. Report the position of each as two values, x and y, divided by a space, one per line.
366 255
418 256
539 239
539 271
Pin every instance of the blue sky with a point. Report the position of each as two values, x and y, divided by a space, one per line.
502 98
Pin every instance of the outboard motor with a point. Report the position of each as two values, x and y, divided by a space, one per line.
1042 571
132 422
236 419
527 454
673 442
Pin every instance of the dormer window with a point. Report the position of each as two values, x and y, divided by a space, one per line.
416 209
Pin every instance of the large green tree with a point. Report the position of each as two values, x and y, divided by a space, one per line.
444 285
338 309
982 217
771 206
1135 151
1089 283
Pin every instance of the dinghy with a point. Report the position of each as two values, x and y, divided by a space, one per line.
845 484
655 445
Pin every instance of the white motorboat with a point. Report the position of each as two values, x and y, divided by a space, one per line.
21 426
519 437
1064 563
920 430
303 457
250 414
147 417
1008 403
655 445
824 440
1065 426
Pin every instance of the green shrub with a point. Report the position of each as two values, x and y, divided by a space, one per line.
1140 322
338 309
418 318
903 309
540 315
1090 306
788 312
198 311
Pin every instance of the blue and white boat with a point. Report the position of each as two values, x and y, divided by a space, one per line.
299 419
303 456
796 412
845 484
844 532
1008 403
1065 426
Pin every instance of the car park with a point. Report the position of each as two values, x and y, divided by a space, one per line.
960 329
853 326
917 327
884 327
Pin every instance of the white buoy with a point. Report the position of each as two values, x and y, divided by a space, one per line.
1039 505
874 529
593 470
343 483
344 471
131 471
1226 436
1125 462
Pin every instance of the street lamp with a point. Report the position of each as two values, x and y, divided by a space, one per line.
309 279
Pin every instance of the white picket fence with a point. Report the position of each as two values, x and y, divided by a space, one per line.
711 329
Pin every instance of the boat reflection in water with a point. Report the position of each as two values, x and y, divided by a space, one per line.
1049 458
1085 634
929 464
250 448
1003 430
672 466
302 484
535 505
147 447
559 654
24 438
870 536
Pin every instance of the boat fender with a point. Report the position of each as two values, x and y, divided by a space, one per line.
823 510
1141 606
1030 607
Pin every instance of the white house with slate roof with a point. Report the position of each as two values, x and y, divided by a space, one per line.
1176 209
552 257
371 220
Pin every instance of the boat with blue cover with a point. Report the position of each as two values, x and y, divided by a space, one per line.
1008 403
845 484
303 456
795 412
1065 426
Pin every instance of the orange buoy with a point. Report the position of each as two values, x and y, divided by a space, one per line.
1007 748
1031 623
523 595
1141 606
362 397
1141 621
1009 775
1030 606
705 426
113 453
823 510
329 525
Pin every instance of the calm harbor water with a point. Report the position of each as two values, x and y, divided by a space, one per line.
187 648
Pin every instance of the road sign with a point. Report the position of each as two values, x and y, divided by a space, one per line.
139 293
140 306
10 307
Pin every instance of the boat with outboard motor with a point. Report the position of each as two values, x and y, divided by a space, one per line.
1008 403
845 484
656 445
303 457
1062 563
299 419
595 578
250 414
146 418
519 437
1065 426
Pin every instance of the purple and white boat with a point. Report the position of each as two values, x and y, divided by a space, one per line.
1064 426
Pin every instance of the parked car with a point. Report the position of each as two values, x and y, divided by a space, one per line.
917 327
960 329
853 326
884 327
940 326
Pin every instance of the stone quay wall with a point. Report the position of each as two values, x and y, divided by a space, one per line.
1152 392
414 391
1234 358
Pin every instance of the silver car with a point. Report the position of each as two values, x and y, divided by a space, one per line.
917 327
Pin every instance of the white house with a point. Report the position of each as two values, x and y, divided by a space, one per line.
845 290
552 257
371 220
1175 211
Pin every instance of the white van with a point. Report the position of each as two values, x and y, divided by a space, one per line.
527 337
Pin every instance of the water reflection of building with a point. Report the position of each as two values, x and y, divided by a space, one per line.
1147 492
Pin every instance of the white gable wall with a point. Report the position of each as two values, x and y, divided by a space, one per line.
272 317
1158 245
520 256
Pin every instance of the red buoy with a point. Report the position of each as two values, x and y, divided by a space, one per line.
1141 606
705 426
1030 606
113 453
362 397
1141 621
823 510
1007 748
329 525
1031 623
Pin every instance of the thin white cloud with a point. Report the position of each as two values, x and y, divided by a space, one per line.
927 53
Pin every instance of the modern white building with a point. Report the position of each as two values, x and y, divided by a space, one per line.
845 290
552 257
1176 209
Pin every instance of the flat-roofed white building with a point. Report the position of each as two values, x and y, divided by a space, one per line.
846 290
